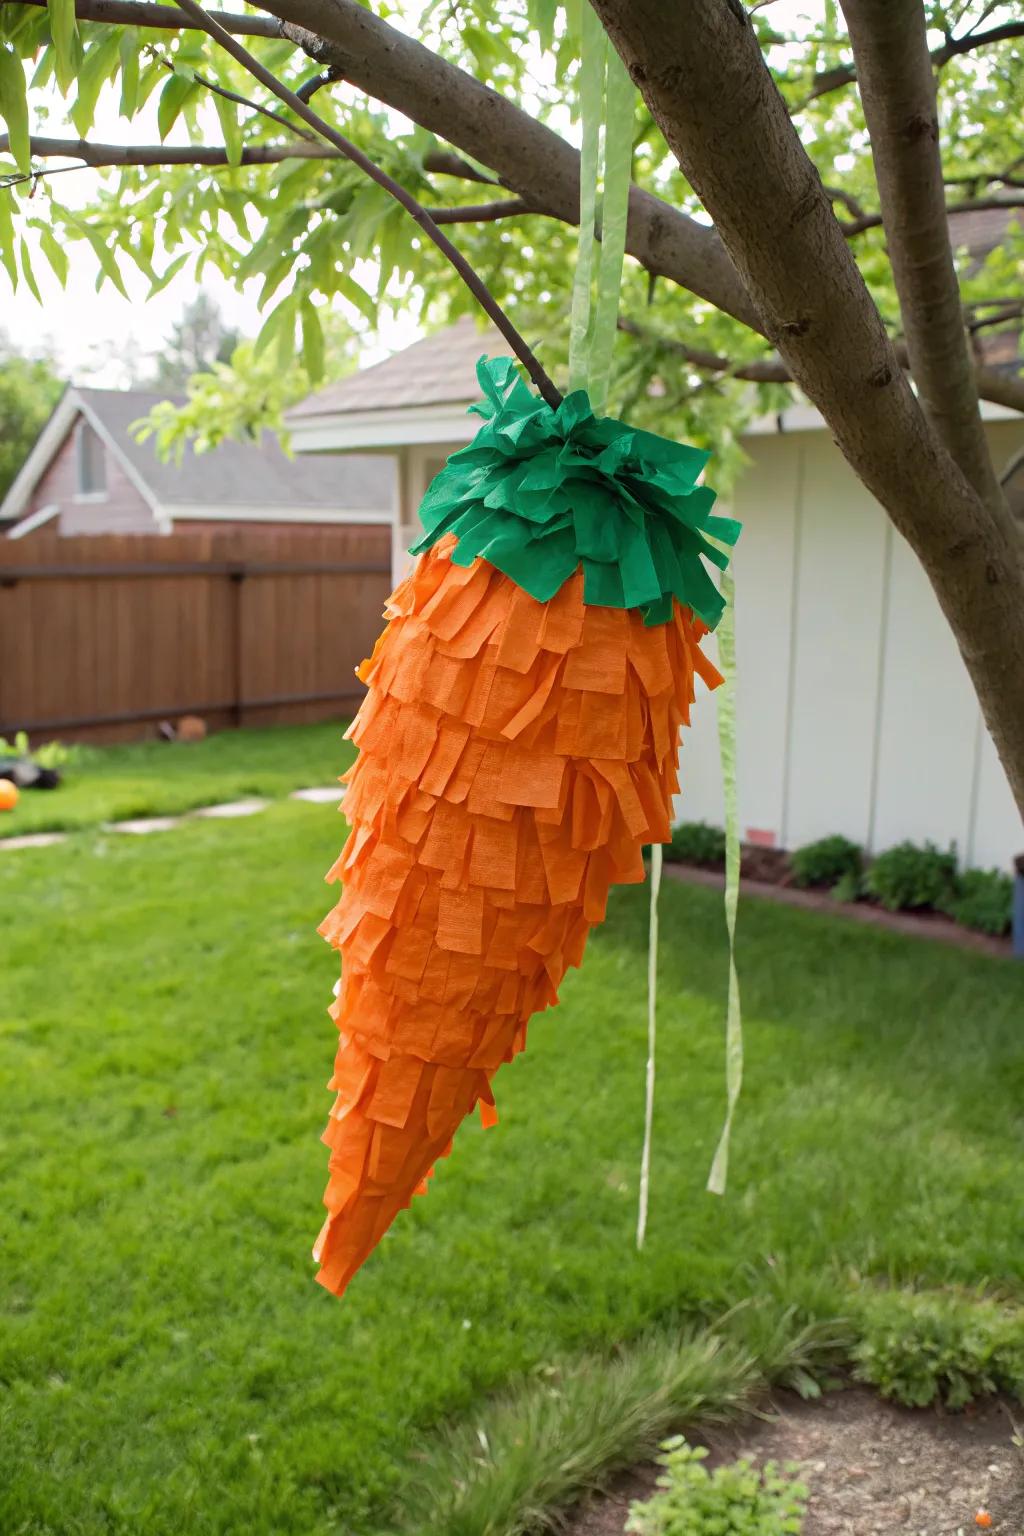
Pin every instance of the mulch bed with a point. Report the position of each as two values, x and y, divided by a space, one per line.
871 1468
766 873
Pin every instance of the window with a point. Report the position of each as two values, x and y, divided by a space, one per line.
91 462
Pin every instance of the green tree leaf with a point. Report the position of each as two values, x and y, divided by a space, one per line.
227 112
53 251
7 256
99 63
28 274
14 107
312 341
172 98
66 43
129 48
103 252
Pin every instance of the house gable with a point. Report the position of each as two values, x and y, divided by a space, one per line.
76 481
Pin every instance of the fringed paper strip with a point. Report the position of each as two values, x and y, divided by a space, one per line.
514 758
540 493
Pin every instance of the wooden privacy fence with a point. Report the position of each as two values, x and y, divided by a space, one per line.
102 638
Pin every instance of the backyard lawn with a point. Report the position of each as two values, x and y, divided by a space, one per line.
167 1365
159 778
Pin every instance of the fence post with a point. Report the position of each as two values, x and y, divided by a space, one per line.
237 578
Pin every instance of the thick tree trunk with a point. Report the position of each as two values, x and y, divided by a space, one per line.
701 73
897 88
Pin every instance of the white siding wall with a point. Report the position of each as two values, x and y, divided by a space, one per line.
855 711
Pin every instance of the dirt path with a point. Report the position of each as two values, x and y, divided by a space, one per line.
871 1468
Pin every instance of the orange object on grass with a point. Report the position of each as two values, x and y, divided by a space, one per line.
514 759
8 795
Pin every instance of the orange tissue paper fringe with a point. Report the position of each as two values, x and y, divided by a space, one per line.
514 759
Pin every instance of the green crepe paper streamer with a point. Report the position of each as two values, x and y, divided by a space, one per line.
727 749
593 48
652 1018
618 173
540 492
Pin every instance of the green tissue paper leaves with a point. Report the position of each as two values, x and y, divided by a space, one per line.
539 492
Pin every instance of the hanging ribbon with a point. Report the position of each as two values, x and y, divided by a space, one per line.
607 98
726 633
652 1008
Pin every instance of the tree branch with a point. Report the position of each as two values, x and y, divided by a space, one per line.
702 74
1000 388
443 162
100 156
139 13
845 74
481 213
863 221
763 370
315 83
897 88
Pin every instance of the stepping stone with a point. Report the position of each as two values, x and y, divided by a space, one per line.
231 809
324 794
33 840
140 825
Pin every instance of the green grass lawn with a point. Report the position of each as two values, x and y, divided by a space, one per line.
159 778
168 1367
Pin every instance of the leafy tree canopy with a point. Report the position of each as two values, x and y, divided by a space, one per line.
29 389
301 223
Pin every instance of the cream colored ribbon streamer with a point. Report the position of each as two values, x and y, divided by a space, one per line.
726 633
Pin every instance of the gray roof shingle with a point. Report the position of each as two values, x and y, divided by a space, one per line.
243 474
439 370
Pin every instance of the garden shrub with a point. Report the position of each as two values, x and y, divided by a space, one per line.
983 900
909 876
827 861
734 1500
695 842
920 1348
849 887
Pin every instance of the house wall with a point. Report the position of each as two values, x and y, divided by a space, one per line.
120 509
855 711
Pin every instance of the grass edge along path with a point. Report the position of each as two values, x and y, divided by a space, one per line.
514 1467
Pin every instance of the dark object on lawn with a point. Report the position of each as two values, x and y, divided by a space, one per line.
826 862
1018 906
188 728
27 774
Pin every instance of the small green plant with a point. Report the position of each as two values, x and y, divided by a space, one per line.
827 861
921 1348
849 887
910 876
52 754
983 900
695 842
734 1500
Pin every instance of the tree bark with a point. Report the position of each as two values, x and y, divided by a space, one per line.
897 89
702 75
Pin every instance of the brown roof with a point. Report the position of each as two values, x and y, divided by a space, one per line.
440 370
